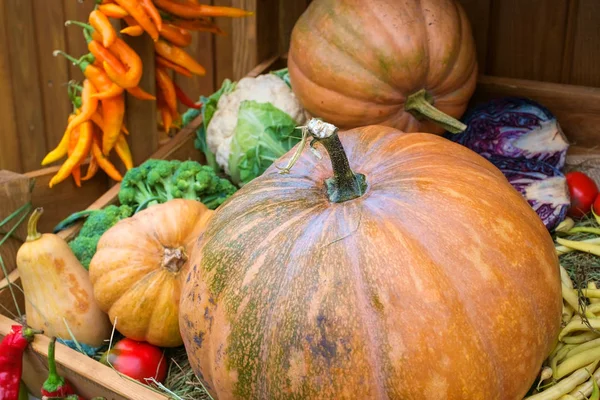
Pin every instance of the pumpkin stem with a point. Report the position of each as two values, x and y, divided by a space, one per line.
32 232
344 185
174 259
420 105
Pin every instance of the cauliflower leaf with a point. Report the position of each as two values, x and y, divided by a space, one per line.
263 133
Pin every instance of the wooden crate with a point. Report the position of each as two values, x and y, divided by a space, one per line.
577 108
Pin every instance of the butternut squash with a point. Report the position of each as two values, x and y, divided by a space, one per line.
58 292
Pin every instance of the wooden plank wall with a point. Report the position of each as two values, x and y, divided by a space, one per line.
546 40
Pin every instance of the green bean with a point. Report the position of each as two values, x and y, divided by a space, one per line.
566 385
579 325
582 338
572 363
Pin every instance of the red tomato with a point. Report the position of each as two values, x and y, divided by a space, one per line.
137 360
596 205
583 191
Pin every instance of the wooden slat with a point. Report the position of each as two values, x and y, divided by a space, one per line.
527 39
25 70
141 117
577 108
60 201
478 12
223 47
50 32
9 150
586 49
289 12
202 50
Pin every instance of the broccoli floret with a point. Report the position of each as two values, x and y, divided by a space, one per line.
158 181
98 222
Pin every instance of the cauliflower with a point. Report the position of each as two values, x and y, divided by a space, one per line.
259 115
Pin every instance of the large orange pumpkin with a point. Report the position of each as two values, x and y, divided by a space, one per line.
387 62
424 275
139 265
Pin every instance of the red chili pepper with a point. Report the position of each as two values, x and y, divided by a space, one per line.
137 360
11 360
55 385
184 99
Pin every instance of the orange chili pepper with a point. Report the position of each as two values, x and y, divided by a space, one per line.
89 106
163 62
92 168
99 121
167 88
112 10
63 146
131 60
137 11
81 150
102 54
198 25
124 153
76 172
106 87
113 112
165 112
103 162
178 56
140 93
176 35
191 11
154 14
134 30
101 24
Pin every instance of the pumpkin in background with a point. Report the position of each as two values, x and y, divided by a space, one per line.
423 275
386 62
137 270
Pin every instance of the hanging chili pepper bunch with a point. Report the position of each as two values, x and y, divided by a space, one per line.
111 68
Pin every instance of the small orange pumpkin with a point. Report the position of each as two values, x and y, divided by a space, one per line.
137 270
410 65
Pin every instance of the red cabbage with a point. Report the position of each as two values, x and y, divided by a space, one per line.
542 185
514 127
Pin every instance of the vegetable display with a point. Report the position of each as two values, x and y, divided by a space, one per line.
139 266
249 124
138 360
112 68
411 66
349 279
60 300
158 181
11 360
